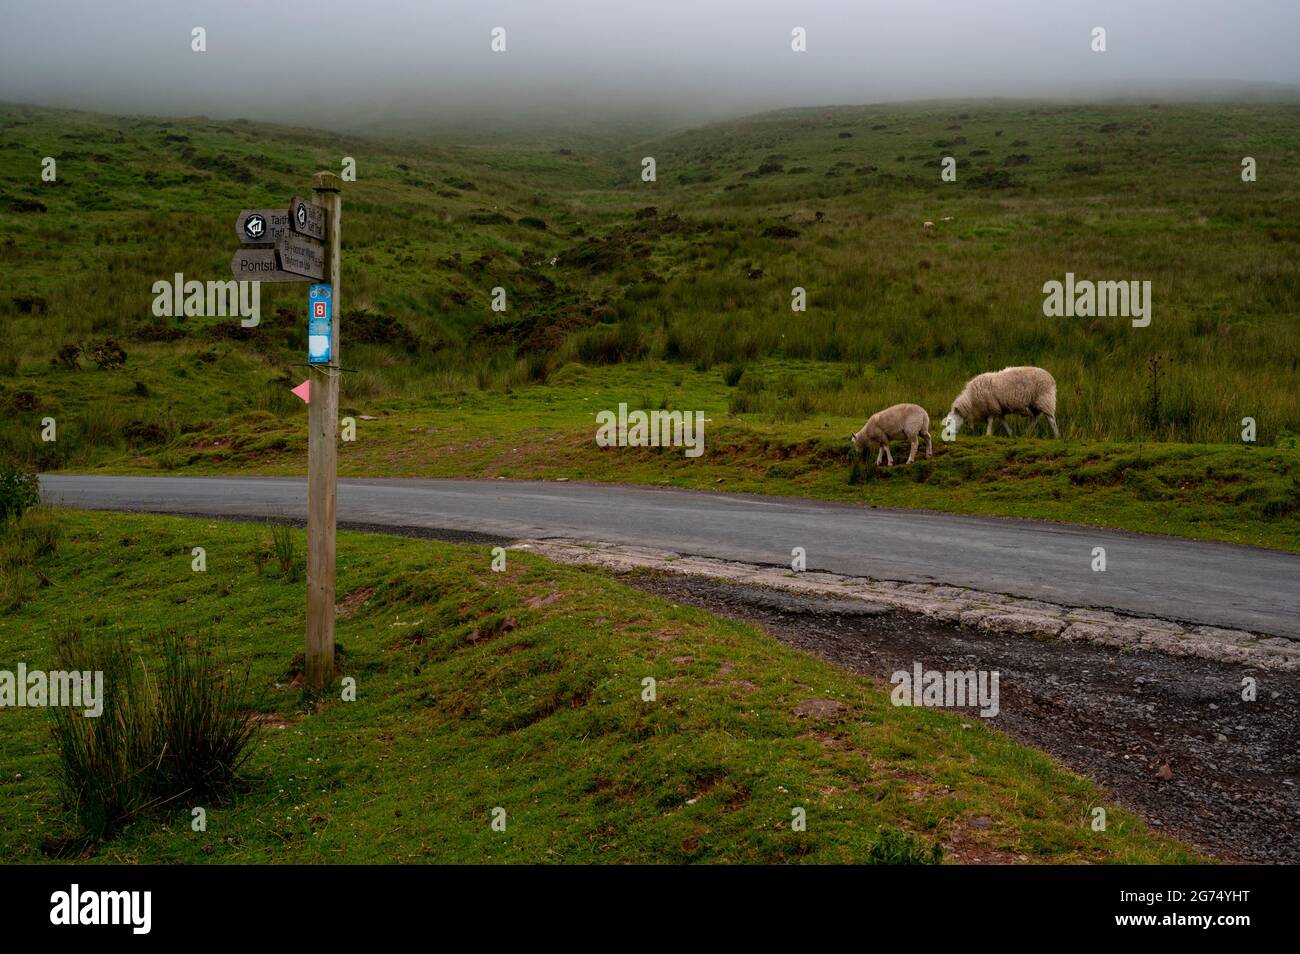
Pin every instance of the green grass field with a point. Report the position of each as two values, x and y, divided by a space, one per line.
1236 494
677 293
520 690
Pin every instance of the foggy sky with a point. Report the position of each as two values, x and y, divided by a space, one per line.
358 63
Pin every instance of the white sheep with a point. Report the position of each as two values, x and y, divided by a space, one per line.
995 394
902 422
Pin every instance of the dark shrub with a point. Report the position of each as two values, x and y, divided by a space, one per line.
156 329
1082 168
144 433
30 304
108 354
992 179
19 489
69 356
365 327
25 400
780 232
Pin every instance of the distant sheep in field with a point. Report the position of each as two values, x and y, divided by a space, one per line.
902 422
995 394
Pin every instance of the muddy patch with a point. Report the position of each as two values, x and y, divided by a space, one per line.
353 602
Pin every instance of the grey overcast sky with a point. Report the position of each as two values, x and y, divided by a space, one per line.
351 63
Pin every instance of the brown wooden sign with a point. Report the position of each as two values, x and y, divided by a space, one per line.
261 226
307 218
261 265
301 255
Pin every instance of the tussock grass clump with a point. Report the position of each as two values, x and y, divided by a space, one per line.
284 548
897 847
15 590
168 459
33 536
202 720
275 398
24 542
181 731
857 473
103 760
610 345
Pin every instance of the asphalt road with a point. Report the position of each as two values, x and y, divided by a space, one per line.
1213 583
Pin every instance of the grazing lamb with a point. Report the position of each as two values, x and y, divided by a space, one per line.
902 422
995 394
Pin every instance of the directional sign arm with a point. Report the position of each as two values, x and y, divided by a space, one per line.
307 218
301 255
261 265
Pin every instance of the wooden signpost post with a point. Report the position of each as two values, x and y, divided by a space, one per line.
301 244
322 444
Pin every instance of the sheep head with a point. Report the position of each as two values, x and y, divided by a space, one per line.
952 422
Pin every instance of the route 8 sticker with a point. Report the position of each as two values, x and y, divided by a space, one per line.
318 325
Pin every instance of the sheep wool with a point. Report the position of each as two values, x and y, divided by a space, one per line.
901 422
995 394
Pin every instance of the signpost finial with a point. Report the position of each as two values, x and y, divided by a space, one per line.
326 182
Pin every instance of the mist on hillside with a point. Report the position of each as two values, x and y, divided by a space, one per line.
397 64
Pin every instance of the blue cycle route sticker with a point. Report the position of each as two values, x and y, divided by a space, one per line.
318 325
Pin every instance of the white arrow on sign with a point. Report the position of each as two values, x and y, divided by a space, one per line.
261 226
307 218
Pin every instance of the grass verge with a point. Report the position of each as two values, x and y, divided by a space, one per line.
1232 493
523 690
